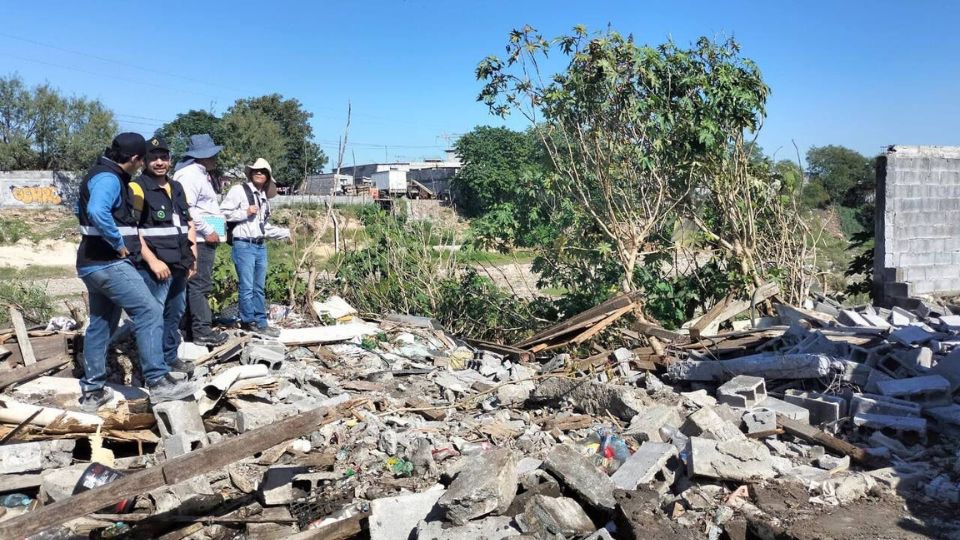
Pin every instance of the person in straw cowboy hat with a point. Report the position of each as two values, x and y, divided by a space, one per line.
247 211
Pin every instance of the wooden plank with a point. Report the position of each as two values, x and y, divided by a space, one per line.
174 471
513 353
430 412
27 373
43 347
23 339
581 320
729 308
339 530
223 352
602 325
648 329
17 482
814 435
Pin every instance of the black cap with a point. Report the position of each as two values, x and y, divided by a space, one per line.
157 143
131 144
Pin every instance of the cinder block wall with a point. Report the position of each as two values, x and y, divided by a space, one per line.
917 223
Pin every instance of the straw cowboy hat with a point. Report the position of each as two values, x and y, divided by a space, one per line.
261 163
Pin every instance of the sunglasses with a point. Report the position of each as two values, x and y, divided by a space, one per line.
260 171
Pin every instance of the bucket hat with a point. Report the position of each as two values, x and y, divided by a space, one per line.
201 147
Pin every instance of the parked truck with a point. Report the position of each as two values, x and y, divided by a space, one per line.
391 183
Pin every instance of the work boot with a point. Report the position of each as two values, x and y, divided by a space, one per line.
213 339
265 330
169 389
92 401
182 366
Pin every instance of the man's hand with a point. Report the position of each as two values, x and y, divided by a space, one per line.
160 269
192 271
212 238
124 252
251 210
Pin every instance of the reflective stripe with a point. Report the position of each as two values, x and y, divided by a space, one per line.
88 230
161 231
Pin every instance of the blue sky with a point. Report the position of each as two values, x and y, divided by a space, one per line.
859 74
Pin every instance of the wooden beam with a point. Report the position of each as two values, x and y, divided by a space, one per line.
174 471
43 347
580 320
19 375
600 326
648 329
814 435
23 338
224 351
729 308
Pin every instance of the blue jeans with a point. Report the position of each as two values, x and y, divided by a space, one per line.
172 295
251 262
110 290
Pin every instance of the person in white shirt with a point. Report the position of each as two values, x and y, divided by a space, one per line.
247 211
193 173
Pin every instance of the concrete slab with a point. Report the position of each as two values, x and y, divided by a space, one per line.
395 518
651 462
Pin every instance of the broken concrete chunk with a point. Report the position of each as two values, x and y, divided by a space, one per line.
876 404
277 485
739 460
58 484
898 424
823 408
491 527
760 420
646 425
786 409
590 397
833 463
653 461
912 335
767 365
487 483
546 516
579 473
395 518
708 424
36 456
742 391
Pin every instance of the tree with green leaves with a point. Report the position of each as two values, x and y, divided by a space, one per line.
193 122
302 156
41 129
844 174
251 134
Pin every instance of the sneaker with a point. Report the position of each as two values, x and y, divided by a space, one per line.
266 330
169 389
182 366
214 339
92 401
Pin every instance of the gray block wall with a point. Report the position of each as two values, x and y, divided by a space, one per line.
917 223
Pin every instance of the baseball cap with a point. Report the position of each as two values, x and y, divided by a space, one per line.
130 144
157 143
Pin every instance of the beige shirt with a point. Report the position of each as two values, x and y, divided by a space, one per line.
234 208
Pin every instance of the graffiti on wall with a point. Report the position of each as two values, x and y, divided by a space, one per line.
36 195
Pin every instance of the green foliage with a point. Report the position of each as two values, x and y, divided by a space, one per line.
225 285
844 174
12 230
494 160
193 122
815 195
300 155
280 273
251 134
32 301
401 271
41 129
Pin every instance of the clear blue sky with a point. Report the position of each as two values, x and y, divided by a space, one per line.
859 74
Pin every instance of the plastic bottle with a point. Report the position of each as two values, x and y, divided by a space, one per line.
14 500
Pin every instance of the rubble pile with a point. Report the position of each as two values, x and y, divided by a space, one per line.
394 429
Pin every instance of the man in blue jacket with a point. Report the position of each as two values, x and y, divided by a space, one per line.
109 248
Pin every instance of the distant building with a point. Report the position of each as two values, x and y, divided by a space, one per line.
326 184
433 174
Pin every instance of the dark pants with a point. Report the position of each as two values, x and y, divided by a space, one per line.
198 289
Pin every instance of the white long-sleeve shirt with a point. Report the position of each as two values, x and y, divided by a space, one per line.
234 208
201 196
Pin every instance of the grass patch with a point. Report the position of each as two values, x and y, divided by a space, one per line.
36 229
36 272
32 301
496 258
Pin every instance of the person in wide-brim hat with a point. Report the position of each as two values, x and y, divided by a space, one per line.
262 165
202 147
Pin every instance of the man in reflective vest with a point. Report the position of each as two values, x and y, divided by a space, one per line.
109 248
167 244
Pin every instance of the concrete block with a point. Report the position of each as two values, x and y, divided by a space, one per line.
852 318
545 517
948 415
899 425
491 527
396 518
178 416
277 485
708 424
926 391
267 354
787 409
578 473
740 460
876 404
652 462
36 456
912 335
183 443
487 483
897 364
58 484
949 368
760 420
646 425
901 317
823 408
742 391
